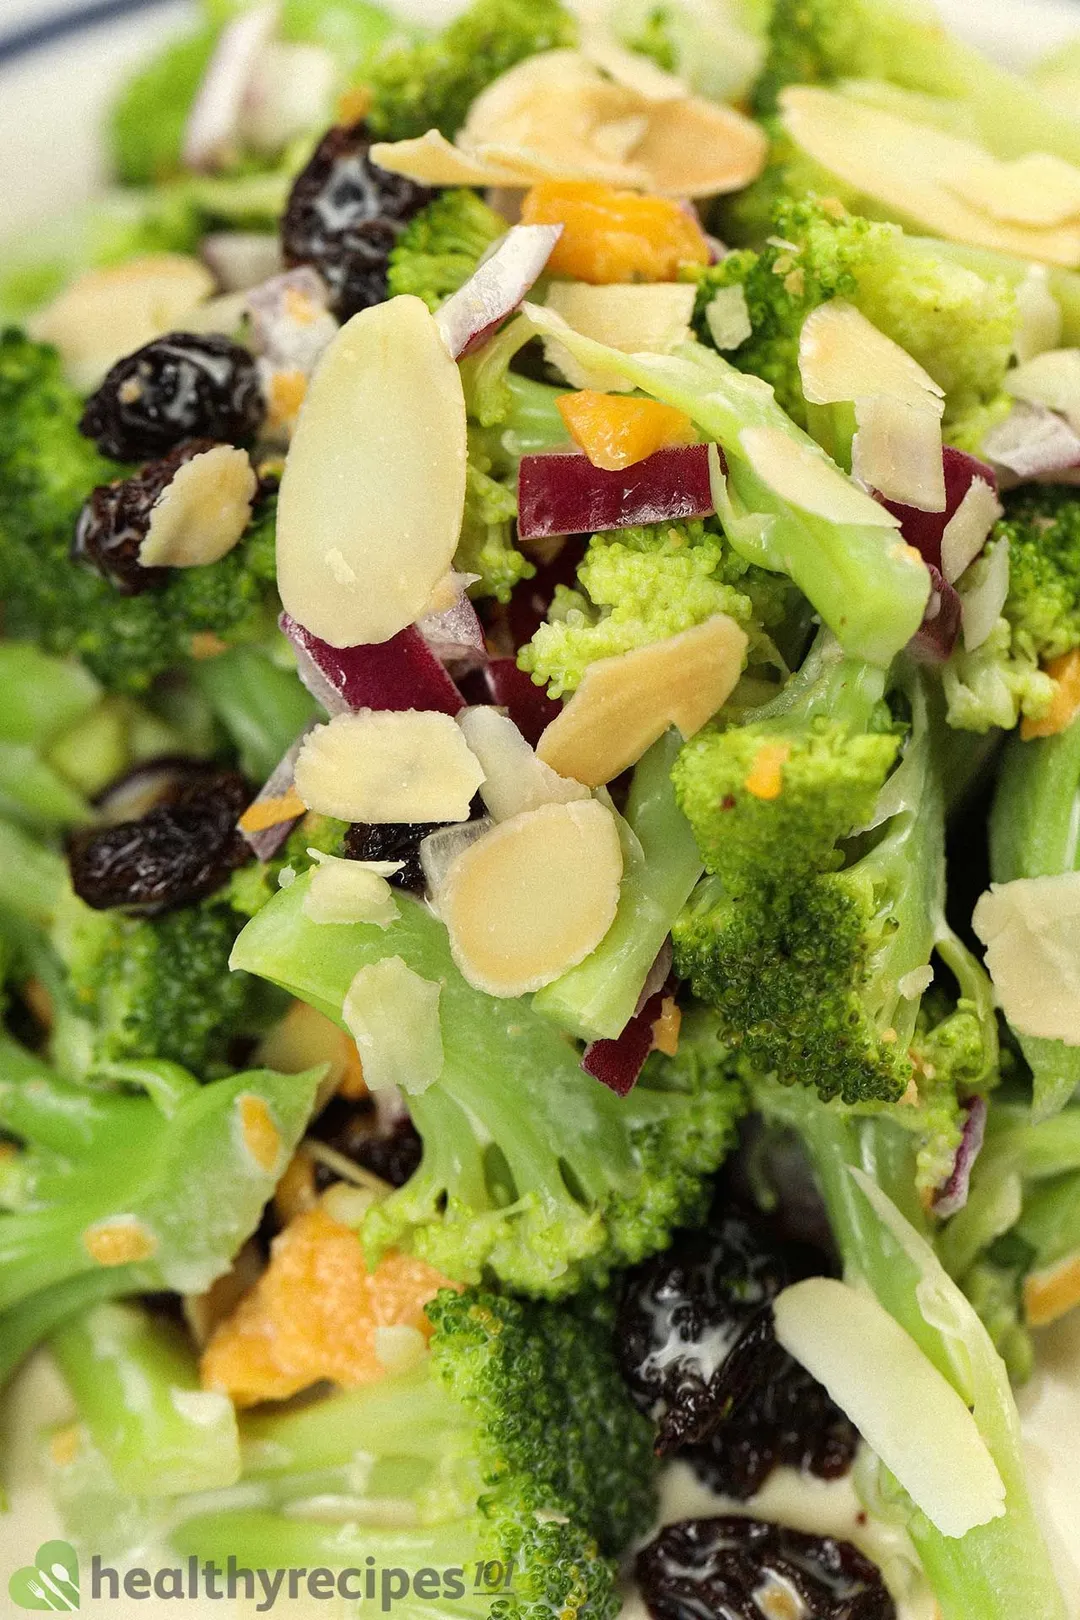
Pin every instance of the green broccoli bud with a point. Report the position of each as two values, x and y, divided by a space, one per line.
431 85
485 546
1042 527
441 247
994 684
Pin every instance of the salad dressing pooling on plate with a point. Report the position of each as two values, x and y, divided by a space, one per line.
538 786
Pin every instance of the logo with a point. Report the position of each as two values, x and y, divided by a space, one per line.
51 1581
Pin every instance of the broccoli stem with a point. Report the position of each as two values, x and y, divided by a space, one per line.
43 696
530 425
137 1389
32 877
39 1106
32 791
261 705
596 1000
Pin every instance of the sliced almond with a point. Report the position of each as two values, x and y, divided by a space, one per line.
983 597
106 314
965 533
1031 930
727 316
897 451
349 892
699 148
803 475
652 318
1037 189
304 1038
373 490
534 897
843 356
202 512
1051 379
1052 1292
393 1015
431 160
1039 316
386 766
515 780
511 97
624 704
630 68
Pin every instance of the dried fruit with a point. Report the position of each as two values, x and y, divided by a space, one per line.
392 841
386 765
616 433
176 387
390 1147
610 235
344 215
116 520
748 1569
176 853
640 317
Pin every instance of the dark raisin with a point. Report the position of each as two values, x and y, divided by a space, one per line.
344 215
153 782
114 522
748 1569
390 1149
176 853
181 386
695 1327
392 841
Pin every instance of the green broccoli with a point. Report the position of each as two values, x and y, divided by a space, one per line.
431 85
440 248
114 1193
485 546
531 1170
47 470
1042 527
995 683
956 323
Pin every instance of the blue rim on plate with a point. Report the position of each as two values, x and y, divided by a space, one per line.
56 25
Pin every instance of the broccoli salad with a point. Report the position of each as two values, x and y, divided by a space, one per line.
540 814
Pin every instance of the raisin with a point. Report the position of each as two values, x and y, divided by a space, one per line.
115 521
185 385
176 853
392 841
345 214
749 1569
390 1151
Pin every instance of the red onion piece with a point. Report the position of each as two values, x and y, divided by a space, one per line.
924 530
1033 442
935 638
563 493
531 598
213 123
657 976
954 1194
618 1063
402 673
496 288
268 840
456 637
527 704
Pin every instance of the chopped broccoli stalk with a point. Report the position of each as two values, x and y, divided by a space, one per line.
485 546
956 323
821 41
47 470
1042 527
259 702
105 1179
531 1169
596 1000
879 1230
136 1385
1033 834
637 586
440 248
872 595
431 85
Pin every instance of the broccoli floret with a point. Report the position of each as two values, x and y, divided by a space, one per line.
440 248
515 1443
112 1193
486 544
47 470
957 324
531 1170
637 586
1042 527
994 684
432 84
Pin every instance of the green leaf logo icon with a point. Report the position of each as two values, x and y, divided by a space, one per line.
51 1581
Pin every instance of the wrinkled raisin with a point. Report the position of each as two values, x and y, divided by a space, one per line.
344 215
115 520
176 853
748 1569
185 385
390 1151
392 841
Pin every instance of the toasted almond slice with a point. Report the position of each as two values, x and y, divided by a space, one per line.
803 475
984 597
531 164
534 897
897 450
431 160
393 1015
558 73
107 313
515 780
373 491
843 356
624 704
1031 930
385 766
1052 379
652 317
630 68
306 1037
965 533
349 892
699 148
202 512
1037 189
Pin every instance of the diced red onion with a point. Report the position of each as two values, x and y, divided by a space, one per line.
618 1063
527 704
456 637
924 530
1033 442
402 673
954 1194
561 492
935 638
657 976
496 288
531 598
268 840
214 120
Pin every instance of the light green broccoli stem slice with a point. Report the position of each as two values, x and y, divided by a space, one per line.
136 1386
32 877
596 1000
37 1316
260 703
